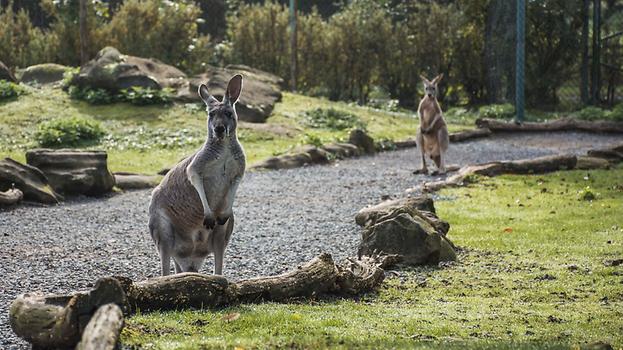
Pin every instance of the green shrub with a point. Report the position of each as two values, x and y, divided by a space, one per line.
145 96
72 131
590 113
9 90
92 96
501 111
312 139
135 95
617 112
331 118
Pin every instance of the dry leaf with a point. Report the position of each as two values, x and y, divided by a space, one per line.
230 317
508 229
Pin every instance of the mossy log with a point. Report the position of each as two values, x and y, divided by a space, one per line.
564 124
11 196
58 321
103 330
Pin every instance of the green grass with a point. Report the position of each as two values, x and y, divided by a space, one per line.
532 275
147 138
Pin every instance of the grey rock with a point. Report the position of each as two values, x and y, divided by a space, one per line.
362 140
30 180
136 181
112 70
74 171
45 73
261 90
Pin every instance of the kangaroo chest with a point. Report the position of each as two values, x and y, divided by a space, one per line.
220 175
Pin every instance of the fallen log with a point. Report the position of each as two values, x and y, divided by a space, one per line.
59 321
465 135
538 165
564 124
11 196
102 332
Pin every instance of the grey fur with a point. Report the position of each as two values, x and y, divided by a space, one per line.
190 214
432 136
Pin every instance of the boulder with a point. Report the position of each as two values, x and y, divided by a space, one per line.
29 180
363 141
287 161
46 73
11 196
73 171
407 227
6 74
261 90
114 71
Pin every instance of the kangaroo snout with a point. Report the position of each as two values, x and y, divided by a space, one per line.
219 130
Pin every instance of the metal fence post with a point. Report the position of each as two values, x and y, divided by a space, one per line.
520 61
293 44
596 63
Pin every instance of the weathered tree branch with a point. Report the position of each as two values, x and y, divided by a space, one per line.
565 124
102 332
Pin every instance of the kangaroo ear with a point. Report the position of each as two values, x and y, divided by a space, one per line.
233 89
205 95
438 78
426 81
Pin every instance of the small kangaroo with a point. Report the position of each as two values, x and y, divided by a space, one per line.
190 214
432 137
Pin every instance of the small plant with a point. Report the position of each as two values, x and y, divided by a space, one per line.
587 194
312 139
616 113
72 131
145 96
590 113
9 90
331 118
501 111
92 96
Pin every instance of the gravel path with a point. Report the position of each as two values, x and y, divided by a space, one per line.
283 218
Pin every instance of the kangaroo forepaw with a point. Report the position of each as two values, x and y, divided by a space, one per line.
209 222
222 220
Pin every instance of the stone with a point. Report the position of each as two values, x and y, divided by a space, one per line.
407 227
288 161
29 180
363 141
45 73
260 92
369 216
411 237
114 71
73 171
6 74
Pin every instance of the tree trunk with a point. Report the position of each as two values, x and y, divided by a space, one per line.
84 57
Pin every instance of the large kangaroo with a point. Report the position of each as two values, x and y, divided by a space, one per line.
190 214
432 137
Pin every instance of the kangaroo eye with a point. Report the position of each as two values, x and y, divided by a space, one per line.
211 114
227 114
